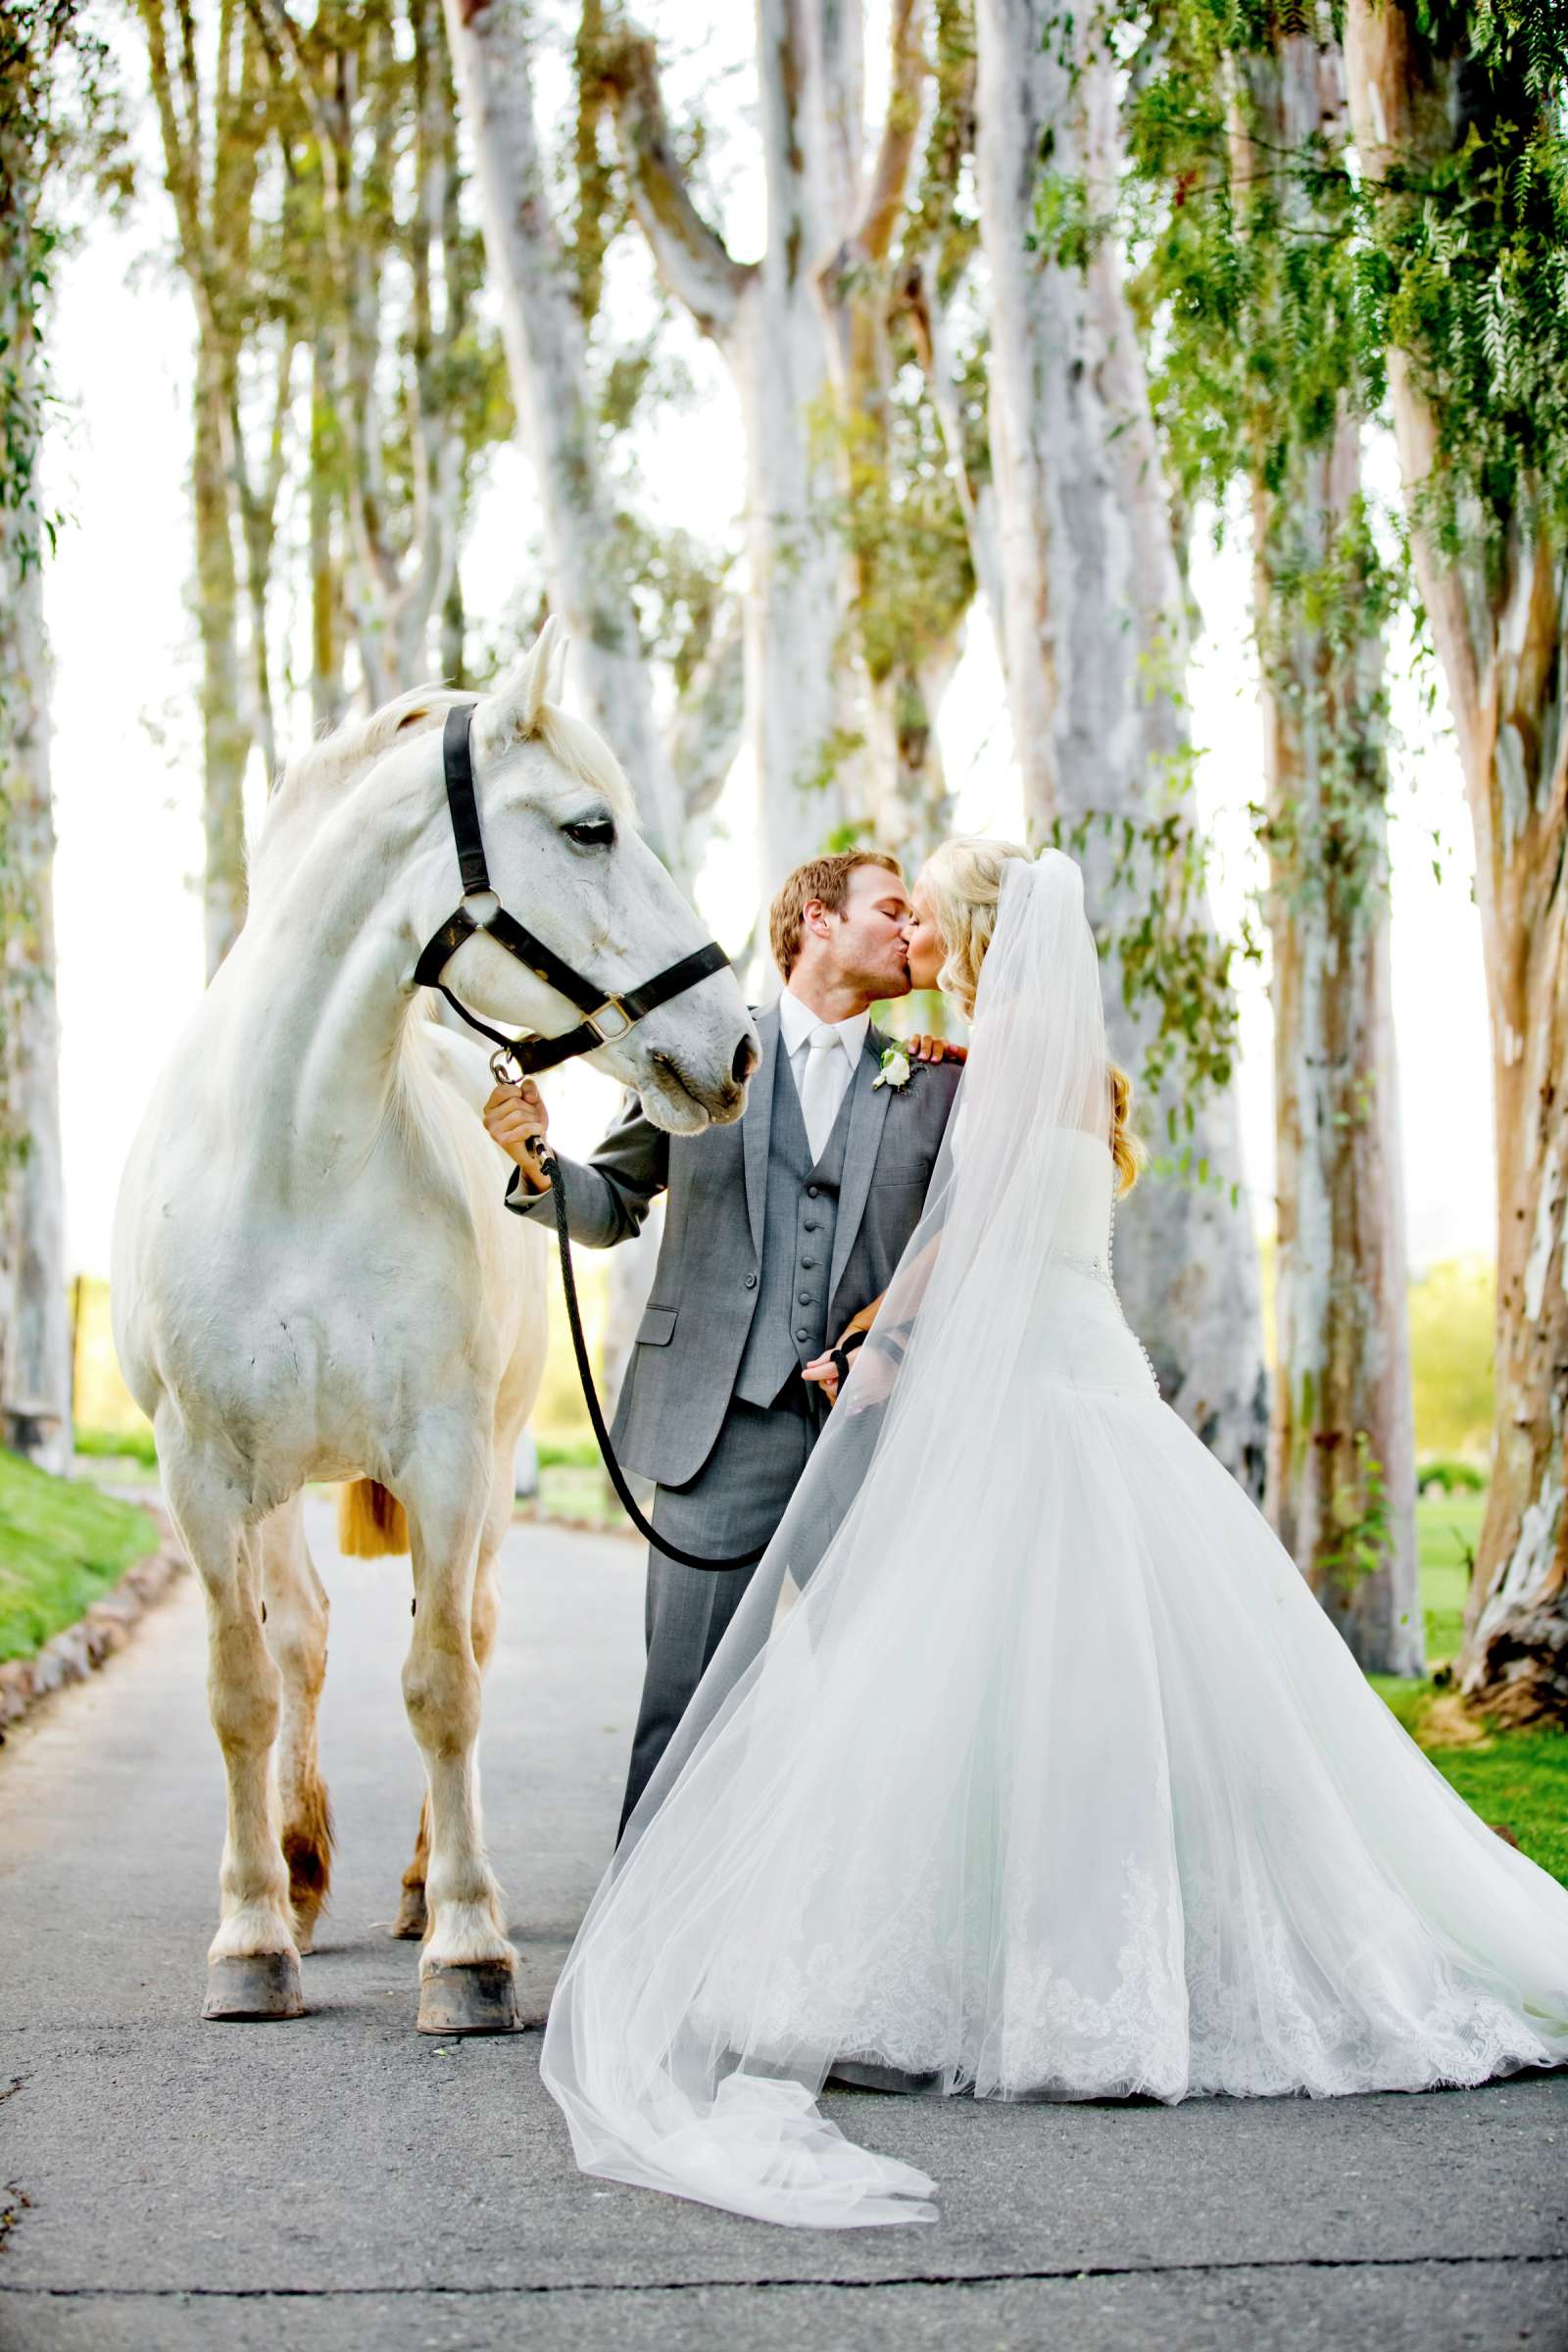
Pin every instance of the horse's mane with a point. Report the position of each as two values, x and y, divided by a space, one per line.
317 778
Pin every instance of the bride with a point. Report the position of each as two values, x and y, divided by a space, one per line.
1029 1767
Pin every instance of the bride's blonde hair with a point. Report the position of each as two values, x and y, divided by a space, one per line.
963 878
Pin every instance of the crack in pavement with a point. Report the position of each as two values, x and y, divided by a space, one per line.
1068 2273
14 2203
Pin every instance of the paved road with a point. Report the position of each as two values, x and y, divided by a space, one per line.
340 2184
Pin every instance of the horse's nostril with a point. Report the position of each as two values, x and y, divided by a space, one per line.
747 1057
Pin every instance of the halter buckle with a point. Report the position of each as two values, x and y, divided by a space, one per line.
607 1035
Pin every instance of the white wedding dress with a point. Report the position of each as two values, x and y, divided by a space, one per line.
1030 1765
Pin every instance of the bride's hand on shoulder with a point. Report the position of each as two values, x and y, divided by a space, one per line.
936 1048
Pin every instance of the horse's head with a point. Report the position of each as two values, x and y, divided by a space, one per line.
567 861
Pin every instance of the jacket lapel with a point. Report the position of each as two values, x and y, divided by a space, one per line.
869 1107
758 1123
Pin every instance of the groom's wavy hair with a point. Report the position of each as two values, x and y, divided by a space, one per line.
963 878
826 879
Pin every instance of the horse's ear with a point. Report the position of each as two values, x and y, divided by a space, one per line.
531 683
559 645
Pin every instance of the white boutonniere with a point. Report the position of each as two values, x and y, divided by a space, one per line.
894 1071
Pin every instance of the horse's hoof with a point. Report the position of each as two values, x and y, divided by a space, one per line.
481 1998
409 1925
254 1986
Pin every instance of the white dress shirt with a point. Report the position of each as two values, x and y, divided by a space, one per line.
797 1022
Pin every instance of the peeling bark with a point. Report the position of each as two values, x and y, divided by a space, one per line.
1094 627
1499 639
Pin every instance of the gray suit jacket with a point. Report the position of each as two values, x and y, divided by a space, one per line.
682 1373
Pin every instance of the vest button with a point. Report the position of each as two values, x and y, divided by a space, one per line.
751 1282
806 1298
807 1263
807 1224
811 1192
802 1334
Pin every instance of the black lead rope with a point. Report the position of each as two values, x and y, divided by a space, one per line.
590 1396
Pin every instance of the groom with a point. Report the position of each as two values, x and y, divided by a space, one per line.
778 1229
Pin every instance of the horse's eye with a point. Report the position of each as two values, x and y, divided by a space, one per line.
593 833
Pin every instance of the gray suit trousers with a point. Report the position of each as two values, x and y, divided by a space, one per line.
734 1503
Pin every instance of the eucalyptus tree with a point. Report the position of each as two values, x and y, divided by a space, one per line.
56 107
212 102
1094 628
1458 115
899 510
942 309
796 328
385 268
1239 133
537 271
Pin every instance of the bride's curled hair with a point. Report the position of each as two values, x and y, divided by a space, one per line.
963 880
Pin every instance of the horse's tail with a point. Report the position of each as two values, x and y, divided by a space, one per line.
370 1522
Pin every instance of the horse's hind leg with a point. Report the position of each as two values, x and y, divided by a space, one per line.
296 1616
253 1963
468 1967
413 1917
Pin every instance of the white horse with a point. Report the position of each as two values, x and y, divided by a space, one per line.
314 1277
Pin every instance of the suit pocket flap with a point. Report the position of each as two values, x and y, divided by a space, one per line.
658 1327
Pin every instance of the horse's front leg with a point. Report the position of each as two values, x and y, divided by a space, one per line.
253 1963
466 1970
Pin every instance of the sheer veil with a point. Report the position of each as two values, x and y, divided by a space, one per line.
665 2048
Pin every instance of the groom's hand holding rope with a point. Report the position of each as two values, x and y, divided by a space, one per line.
516 1117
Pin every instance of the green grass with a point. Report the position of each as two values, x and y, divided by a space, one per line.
118 1445
62 1545
1448 1529
1516 1781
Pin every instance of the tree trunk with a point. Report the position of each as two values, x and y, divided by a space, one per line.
1499 638
34 1317
210 172
909 610
1342 1457
1093 631
225 737
547 358
326 603
768 321
795 590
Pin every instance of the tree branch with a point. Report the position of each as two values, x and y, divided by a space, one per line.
900 129
709 719
691 258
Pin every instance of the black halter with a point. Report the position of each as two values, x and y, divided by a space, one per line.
607 1018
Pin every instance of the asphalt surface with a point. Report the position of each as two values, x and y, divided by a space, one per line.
340 2182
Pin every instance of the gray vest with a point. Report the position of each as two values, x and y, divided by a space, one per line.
798 1223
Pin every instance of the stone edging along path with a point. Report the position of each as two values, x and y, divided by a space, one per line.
72 1655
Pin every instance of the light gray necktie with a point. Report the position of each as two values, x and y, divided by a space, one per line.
820 1094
